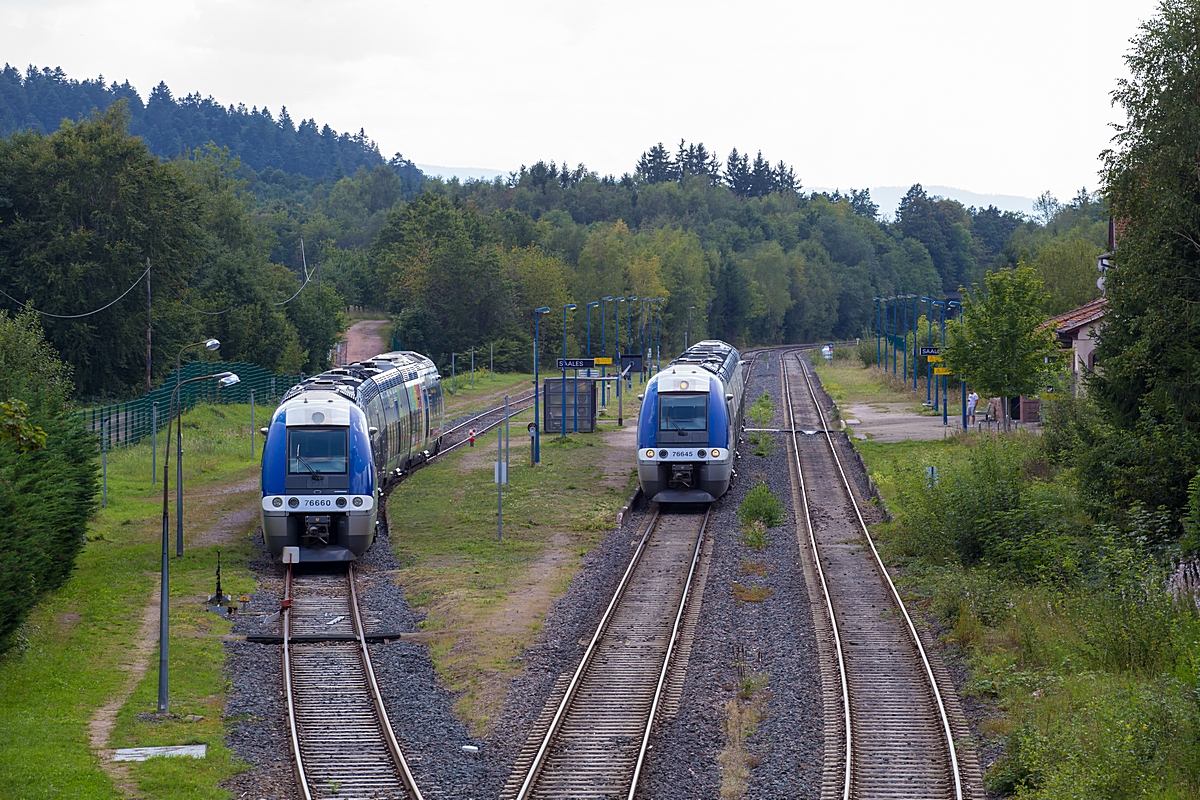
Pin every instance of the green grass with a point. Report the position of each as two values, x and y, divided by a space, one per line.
66 667
850 383
474 588
466 400
1092 689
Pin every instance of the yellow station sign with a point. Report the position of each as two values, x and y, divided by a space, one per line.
933 359
942 371
606 362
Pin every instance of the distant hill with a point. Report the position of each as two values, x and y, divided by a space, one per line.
42 99
888 198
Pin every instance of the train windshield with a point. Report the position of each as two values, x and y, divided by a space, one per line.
317 451
683 412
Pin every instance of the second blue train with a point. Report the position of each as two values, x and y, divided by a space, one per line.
689 425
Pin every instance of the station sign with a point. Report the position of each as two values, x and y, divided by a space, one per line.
931 351
576 363
942 371
934 359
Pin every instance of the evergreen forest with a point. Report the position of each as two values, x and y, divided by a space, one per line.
95 182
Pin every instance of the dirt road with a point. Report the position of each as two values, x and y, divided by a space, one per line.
365 339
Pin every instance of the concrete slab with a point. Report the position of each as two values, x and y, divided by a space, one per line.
895 422
174 751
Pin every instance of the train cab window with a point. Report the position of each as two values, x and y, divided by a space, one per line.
317 450
682 412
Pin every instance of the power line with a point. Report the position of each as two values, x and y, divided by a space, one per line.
88 314
307 276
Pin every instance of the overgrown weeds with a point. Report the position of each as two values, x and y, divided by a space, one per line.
1069 625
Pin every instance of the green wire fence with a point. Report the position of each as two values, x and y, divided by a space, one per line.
123 424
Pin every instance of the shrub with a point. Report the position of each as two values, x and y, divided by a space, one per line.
48 478
868 351
761 506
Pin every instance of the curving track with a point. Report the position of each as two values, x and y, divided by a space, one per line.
342 741
595 743
891 735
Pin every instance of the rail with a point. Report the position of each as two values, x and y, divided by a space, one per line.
534 771
895 594
352 722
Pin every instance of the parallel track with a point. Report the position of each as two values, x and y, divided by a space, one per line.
342 742
897 740
595 744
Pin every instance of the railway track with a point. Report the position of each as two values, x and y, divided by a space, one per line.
594 744
484 422
342 742
889 732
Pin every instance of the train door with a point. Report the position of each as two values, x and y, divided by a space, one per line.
379 440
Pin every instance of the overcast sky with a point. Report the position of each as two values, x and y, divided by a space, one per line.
1005 98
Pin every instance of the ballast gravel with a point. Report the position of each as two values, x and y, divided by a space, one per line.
767 647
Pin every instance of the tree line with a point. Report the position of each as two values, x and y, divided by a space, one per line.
41 99
88 210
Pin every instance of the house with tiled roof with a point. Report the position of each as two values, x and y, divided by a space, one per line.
1076 331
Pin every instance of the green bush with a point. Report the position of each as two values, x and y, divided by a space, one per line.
47 486
761 506
868 351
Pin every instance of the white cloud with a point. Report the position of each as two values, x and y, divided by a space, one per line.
1005 98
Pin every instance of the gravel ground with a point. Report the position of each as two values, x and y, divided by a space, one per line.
570 623
421 711
773 638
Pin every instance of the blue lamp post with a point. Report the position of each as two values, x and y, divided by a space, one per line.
164 595
912 297
537 387
928 343
629 330
649 330
953 304
590 306
878 331
603 384
563 409
658 335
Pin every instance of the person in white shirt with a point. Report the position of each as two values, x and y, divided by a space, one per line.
972 399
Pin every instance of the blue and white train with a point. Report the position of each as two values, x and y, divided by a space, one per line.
689 425
333 445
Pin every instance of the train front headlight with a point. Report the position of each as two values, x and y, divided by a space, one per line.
357 502
277 502
294 502
649 454
716 453
341 502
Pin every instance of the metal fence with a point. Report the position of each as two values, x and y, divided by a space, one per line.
128 423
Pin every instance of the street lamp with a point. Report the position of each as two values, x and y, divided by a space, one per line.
950 306
603 351
650 337
209 344
658 336
629 329
687 340
928 343
878 331
224 379
590 306
563 408
537 388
